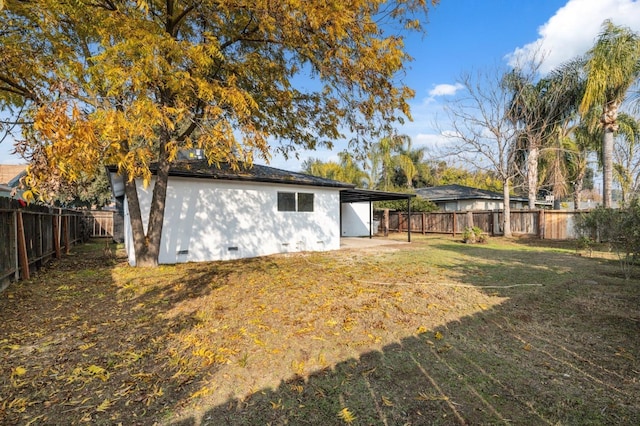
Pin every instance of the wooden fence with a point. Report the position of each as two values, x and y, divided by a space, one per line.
32 235
546 224
100 223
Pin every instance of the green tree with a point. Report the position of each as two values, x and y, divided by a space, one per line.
581 142
626 156
541 110
418 204
620 228
612 67
382 163
411 168
132 82
345 171
443 174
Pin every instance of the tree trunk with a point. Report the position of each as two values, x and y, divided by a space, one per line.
577 188
506 221
609 120
576 195
135 217
532 174
607 166
147 245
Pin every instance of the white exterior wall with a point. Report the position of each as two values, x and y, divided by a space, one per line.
356 219
205 218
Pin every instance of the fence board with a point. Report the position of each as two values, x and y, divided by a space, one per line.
8 249
559 225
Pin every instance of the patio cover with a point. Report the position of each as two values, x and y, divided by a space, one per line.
355 195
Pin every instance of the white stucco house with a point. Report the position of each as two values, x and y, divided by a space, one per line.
216 213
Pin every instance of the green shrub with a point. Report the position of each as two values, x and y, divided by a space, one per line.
620 228
418 204
473 235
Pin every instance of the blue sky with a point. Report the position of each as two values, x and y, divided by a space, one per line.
467 35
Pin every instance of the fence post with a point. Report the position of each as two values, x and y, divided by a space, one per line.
56 234
22 248
541 224
491 224
40 250
65 231
455 224
424 225
385 219
15 246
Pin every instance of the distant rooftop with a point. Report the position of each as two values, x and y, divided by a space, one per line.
460 192
10 171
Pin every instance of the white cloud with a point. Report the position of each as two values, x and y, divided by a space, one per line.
574 28
431 140
445 89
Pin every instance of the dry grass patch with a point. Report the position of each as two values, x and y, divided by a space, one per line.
436 332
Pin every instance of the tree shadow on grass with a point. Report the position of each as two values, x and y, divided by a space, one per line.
560 351
86 342
81 342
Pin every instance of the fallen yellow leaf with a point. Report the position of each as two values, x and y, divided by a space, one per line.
346 415
19 371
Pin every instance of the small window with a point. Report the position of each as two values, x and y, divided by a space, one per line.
286 201
305 202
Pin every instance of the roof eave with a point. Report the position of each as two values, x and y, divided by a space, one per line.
320 182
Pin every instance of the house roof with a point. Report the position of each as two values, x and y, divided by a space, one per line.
201 169
362 195
5 190
460 192
9 172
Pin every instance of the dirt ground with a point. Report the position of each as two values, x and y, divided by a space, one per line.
432 332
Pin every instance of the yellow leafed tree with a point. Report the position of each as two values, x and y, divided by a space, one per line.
130 83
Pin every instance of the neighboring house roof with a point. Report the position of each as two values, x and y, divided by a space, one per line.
5 190
201 169
10 188
461 192
13 183
9 171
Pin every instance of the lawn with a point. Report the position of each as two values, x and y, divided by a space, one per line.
432 332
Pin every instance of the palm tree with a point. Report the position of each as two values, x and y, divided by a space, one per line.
540 110
407 168
612 67
382 157
351 171
411 166
563 162
347 170
527 113
626 166
584 140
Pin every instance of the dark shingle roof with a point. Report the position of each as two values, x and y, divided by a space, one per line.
460 192
362 195
256 173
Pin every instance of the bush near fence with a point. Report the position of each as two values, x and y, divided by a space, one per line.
32 235
546 224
